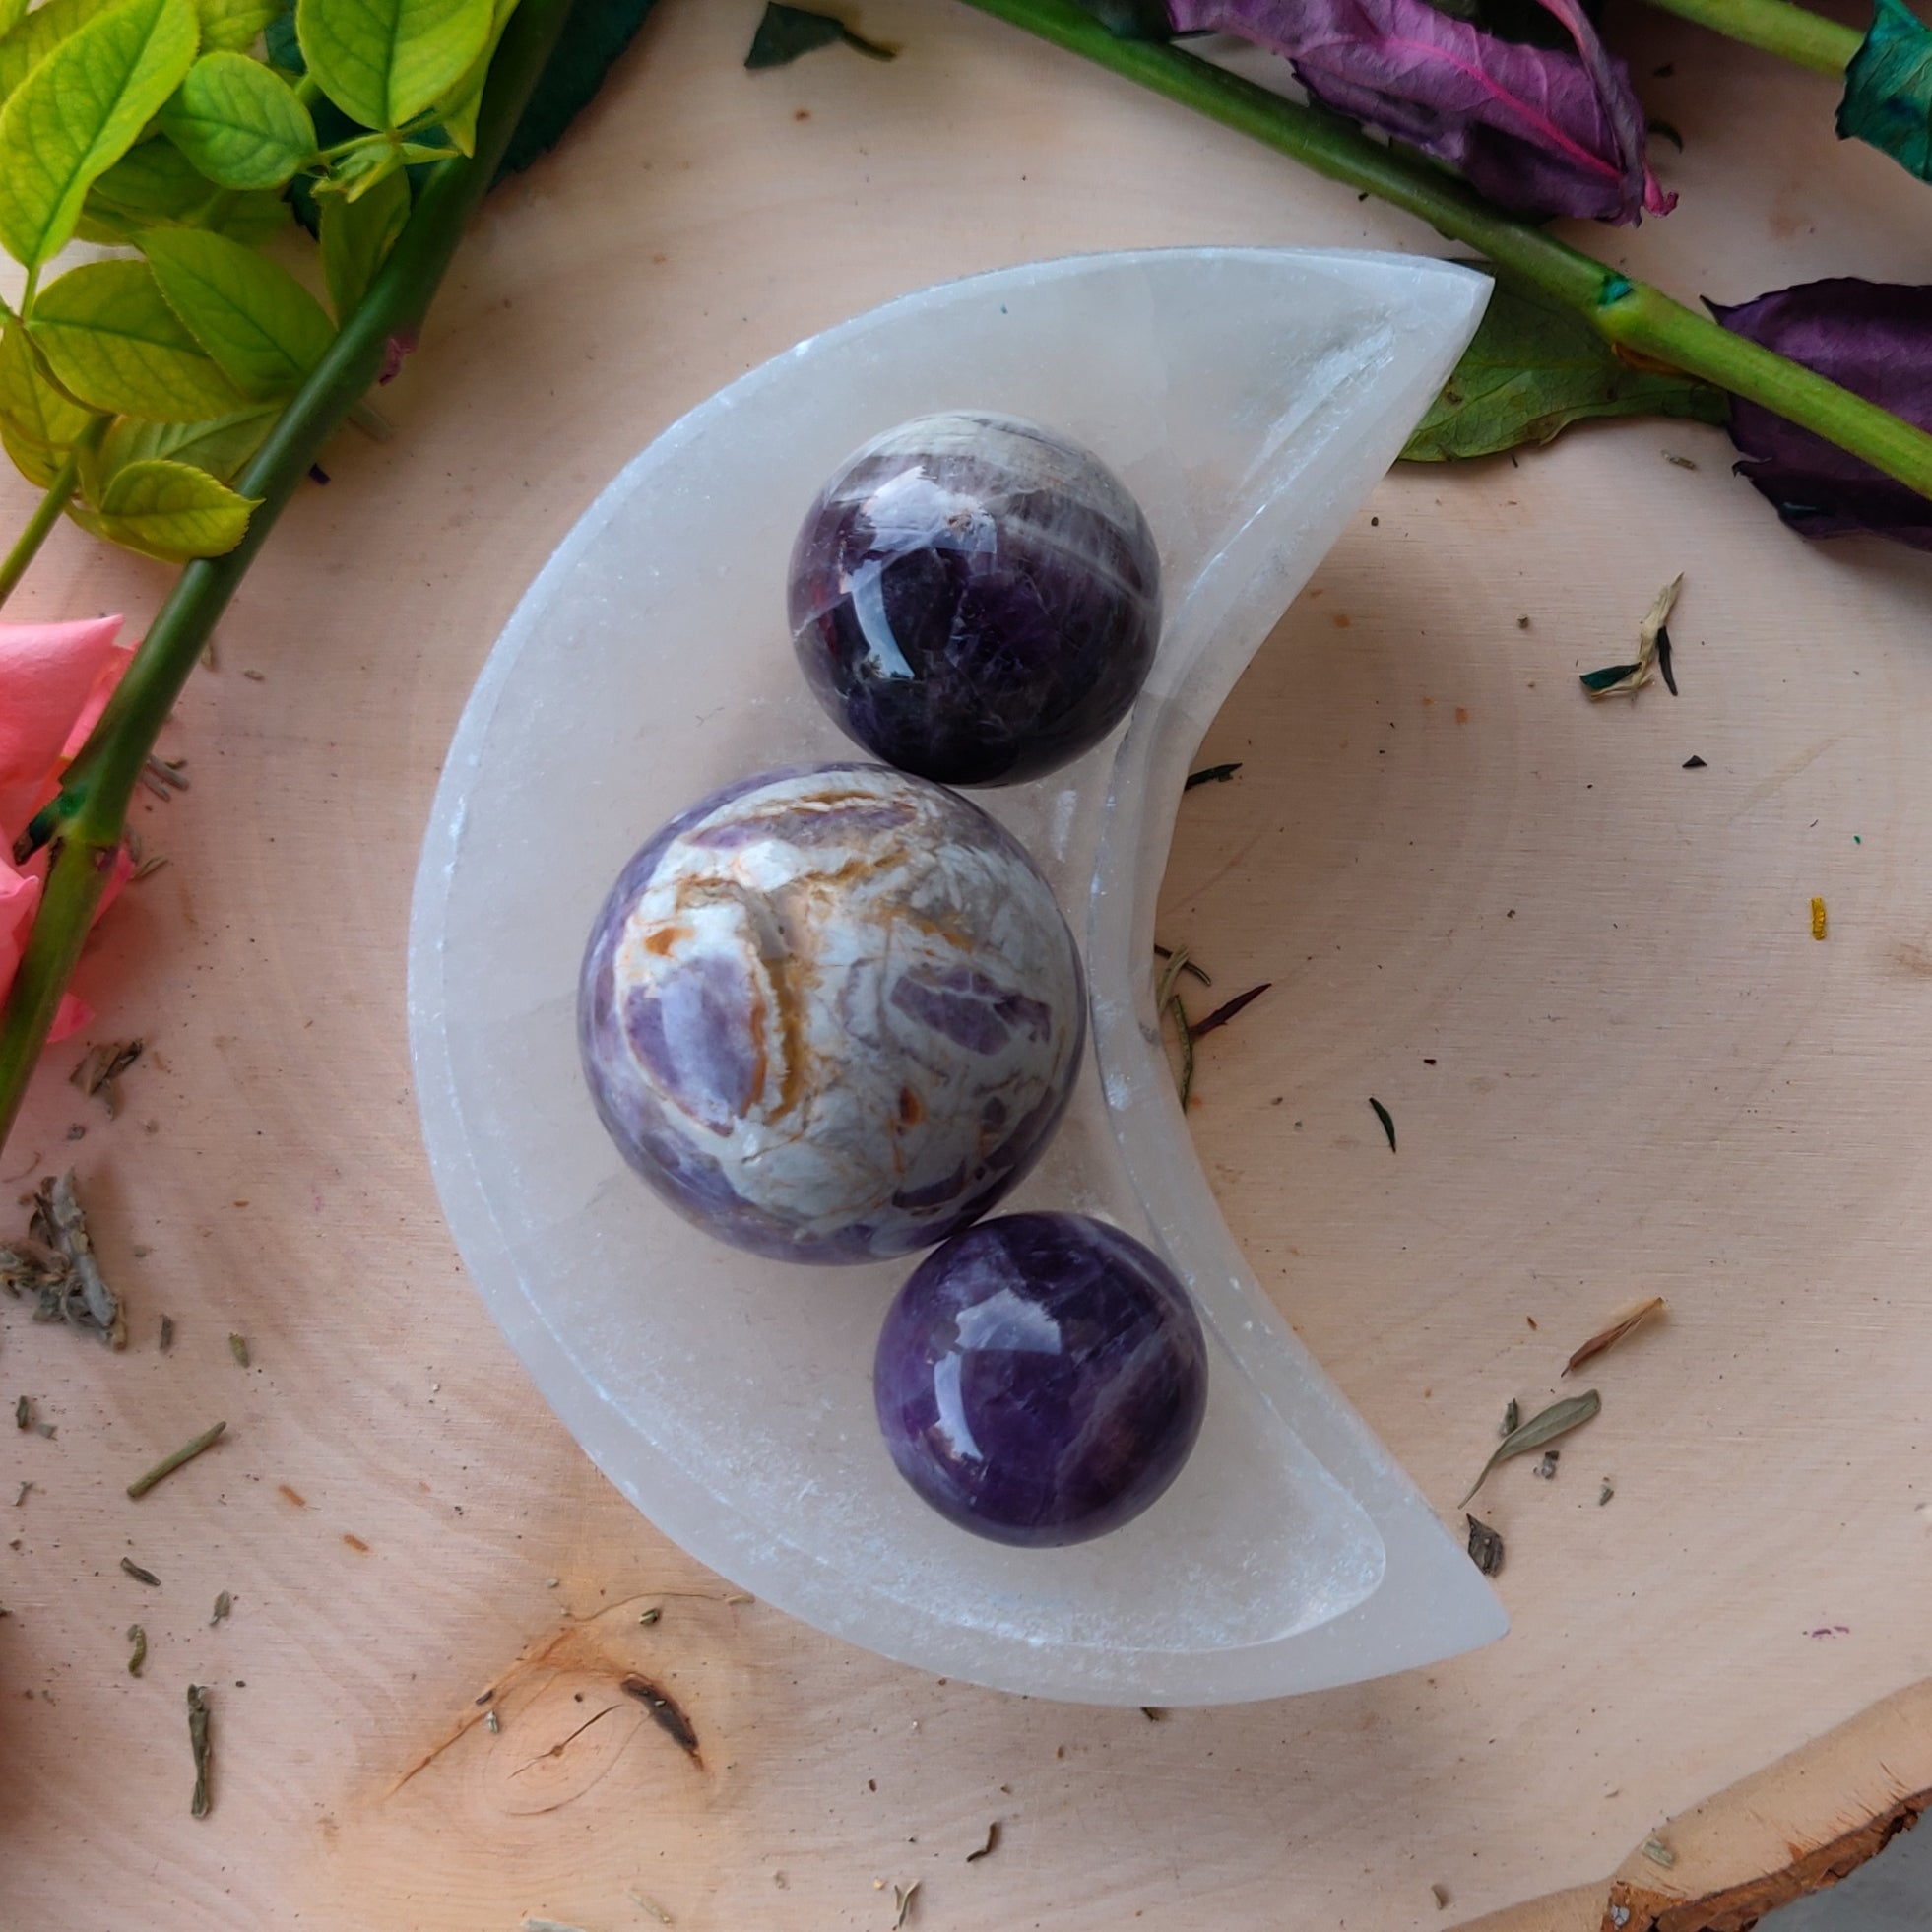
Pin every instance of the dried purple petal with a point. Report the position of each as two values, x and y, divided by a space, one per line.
1542 131
1875 338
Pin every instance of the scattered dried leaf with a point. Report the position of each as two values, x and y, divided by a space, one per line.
1541 1428
1485 1547
1609 1338
1627 679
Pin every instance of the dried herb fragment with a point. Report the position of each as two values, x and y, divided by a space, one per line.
647 1905
1441 1894
531 1923
1605 1493
1211 775
1627 679
786 32
139 1575
1694 763
902 1902
1511 1417
1659 1853
166 1333
1609 1338
991 1844
164 776
650 1615
1153 1713
23 1413
1184 1033
58 1266
167 1465
1547 1468
670 1719
1664 670
1682 462
101 1068
1386 1119
491 1722
1188 965
1485 1547
1222 1014
224 1603
20 1496
1541 1428
199 1745
238 1348
139 1639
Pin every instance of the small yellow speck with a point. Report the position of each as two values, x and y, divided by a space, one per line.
1817 918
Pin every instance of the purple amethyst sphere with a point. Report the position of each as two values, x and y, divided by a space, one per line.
831 1014
975 599
1041 1378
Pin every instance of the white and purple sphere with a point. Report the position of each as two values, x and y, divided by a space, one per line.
831 1014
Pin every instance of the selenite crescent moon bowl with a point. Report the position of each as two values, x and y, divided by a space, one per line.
1249 399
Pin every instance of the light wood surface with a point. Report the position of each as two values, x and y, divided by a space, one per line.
1646 1079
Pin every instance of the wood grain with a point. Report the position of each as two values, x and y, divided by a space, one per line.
1646 1079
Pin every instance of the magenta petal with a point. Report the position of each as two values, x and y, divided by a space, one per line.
1549 133
1875 339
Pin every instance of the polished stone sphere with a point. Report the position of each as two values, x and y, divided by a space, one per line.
831 1014
1041 1378
975 599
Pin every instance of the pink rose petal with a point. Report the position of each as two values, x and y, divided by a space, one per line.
54 682
49 675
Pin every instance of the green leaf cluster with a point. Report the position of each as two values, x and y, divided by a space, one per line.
1533 368
181 133
167 128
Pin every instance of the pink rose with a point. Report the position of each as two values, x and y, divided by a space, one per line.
55 680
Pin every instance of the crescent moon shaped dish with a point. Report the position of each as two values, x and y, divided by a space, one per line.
1248 398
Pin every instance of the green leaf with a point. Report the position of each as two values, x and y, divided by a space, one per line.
357 166
786 32
239 122
356 235
38 423
155 181
173 511
155 185
220 446
233 24
458 110
382 62
1535 367
257 321
111 339
78 112
10 14
1887 89
596 32
26 46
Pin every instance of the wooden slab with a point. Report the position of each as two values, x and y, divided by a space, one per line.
1647 1078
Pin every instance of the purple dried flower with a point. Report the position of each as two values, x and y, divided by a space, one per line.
1535 130
1875 338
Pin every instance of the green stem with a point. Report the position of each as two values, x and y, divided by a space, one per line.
1631 314
1774 27
47 513
84 826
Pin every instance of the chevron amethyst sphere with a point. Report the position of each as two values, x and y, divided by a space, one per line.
831 1014
975 599
1041 1378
